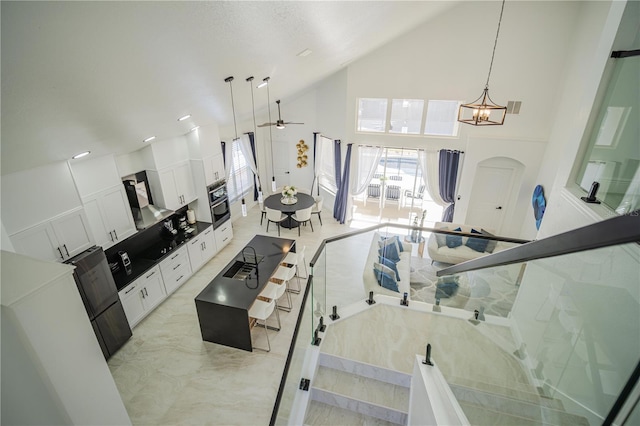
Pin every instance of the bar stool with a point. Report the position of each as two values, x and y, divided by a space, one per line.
282 276
261 310
295 259
273 291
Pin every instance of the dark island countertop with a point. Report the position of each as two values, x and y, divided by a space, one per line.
154 254
241 294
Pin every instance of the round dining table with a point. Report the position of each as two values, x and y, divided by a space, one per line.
304 201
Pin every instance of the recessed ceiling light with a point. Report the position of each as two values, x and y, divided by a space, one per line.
184 117
149 139
82 154
305 52
194 128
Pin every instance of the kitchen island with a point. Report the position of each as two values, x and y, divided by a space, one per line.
223 305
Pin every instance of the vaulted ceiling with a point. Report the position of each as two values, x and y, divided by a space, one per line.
103 76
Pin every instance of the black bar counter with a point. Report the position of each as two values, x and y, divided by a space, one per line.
224 303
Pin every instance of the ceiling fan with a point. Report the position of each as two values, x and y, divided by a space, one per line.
280 124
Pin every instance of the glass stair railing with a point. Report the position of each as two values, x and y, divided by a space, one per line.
548 340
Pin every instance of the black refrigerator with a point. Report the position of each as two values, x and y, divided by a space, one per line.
100 297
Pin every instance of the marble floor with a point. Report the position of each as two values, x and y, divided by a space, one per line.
166 374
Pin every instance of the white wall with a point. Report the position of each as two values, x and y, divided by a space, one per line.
592 43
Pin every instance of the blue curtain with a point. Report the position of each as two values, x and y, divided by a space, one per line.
340 207
448 175
337 164
256 180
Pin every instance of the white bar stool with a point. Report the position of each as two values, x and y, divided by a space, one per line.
296 259
261 310
282 276
273 291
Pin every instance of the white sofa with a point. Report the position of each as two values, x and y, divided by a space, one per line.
440 252
404 270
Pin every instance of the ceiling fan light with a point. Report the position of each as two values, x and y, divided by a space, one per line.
80 155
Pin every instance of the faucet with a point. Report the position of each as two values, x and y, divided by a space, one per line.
255 255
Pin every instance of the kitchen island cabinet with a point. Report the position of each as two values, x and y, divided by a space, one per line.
223 305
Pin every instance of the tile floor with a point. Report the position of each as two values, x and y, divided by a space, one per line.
166 374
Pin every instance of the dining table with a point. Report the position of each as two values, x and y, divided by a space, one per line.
274 202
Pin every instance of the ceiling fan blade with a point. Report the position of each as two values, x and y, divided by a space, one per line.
291 122
266 124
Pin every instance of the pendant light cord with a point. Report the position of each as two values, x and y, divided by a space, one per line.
255 128
273 174
494 45
235 126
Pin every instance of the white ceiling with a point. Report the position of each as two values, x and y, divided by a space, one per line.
102 76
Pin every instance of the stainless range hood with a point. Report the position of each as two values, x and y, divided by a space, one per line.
144 214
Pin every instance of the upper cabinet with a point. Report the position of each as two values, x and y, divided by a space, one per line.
94 175
213 169
34 196
109 216
172 187
58 239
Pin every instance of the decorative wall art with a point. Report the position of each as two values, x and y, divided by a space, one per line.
302 154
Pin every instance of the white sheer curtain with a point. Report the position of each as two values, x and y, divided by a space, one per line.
428 161
228 159
318 161
245 148
368 160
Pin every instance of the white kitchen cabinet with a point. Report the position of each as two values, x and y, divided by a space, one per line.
175 269
109 216
223 235
213 169
141 296
56 240
172 187
201 248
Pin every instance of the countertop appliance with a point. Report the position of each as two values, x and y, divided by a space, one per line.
100 297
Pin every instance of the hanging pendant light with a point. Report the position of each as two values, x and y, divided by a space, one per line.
255 135
235 127
483 111
273 174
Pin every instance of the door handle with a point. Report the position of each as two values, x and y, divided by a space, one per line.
499 208
61 255
65 249
177 266
115 233
111 236
130 290
142 292
146 292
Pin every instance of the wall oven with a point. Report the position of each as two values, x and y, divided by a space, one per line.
219 203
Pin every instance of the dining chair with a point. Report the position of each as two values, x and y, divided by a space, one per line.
317 208
263 212
261 310
275 216
303 216
304 191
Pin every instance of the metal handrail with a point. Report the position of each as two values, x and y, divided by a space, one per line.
609 232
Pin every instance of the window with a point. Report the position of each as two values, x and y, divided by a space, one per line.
241 177
442 118
327 178
372 115
406 116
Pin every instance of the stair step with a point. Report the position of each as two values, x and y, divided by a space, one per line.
531 395
516 408
479 416
511 385
319 413
365 370
362 388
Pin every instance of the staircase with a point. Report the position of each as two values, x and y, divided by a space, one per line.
351 392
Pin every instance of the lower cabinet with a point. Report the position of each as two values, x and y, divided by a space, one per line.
201 248
223 235
141 296
175 269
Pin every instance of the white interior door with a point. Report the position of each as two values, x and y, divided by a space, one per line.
490 195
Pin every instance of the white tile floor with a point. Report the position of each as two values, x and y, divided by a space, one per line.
166 374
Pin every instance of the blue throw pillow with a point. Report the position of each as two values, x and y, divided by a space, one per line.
391 240
390 252
386 281
491 244
476 243
454 241
390 264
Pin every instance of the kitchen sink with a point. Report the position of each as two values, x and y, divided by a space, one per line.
239 270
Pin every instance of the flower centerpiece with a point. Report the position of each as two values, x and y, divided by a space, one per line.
289 195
